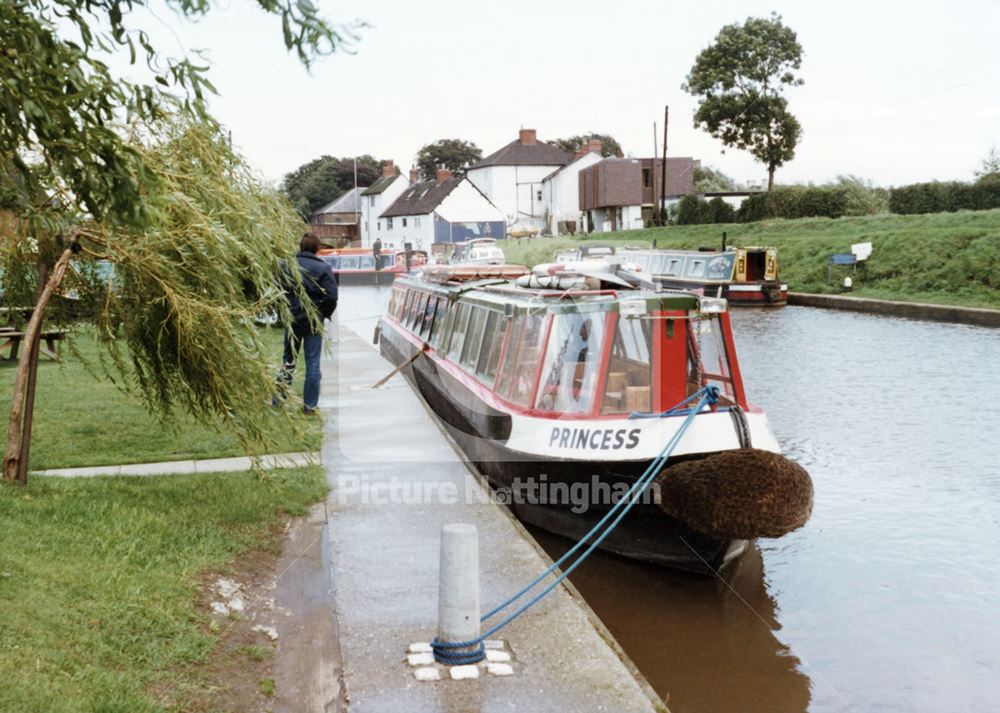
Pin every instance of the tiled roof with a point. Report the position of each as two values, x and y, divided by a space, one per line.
348 202
421 198
517 154
380 185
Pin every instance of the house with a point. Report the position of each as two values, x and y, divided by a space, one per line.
379 196
447 209
338 219
621 193
511 178
561 193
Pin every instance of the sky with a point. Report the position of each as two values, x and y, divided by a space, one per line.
894 92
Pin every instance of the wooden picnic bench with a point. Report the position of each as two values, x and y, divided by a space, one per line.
10 341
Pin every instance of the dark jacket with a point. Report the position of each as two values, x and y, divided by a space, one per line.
318 281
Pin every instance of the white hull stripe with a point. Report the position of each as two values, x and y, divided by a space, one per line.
632 439
751 288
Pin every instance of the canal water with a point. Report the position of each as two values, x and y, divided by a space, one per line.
887 600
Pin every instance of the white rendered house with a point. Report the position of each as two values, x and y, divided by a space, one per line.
376 198
447 209
561 191
511 178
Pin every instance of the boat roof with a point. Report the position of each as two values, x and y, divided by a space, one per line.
501 292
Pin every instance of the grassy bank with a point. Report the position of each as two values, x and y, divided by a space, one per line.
943 258
99 579
83 419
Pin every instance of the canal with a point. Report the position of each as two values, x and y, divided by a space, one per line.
886 600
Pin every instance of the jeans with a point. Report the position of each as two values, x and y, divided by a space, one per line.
295 339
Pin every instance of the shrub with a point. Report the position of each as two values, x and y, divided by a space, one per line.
945 197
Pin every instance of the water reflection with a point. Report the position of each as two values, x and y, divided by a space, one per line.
704 644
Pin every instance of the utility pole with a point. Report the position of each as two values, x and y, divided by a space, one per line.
357 220
652 177
663 169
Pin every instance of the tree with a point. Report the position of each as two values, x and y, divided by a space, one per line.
989 170
707 179
609 146
453 154
740 80
93 163
312 185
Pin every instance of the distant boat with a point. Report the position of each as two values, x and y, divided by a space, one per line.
480 251
357 265
746 276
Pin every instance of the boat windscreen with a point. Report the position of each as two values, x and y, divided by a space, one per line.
349 262
708 361
367 262
572 362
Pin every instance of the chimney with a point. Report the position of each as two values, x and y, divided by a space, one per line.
389 169
413 174
594 145
443 174
527 137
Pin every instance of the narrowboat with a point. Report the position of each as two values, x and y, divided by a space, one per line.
557 395
745 276
357 265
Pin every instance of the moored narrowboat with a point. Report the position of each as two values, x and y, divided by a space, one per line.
358 265
745 276
563 398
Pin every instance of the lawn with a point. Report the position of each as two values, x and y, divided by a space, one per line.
83 419
943 258
99 578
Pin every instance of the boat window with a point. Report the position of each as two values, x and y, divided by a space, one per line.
517 377
406 306
629 371
473 338
458 331
441 311
696 269
367 262
708 362
349 262
489 353
428 316
673 266
572 360
416 316
333 261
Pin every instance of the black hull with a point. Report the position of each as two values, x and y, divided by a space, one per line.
646 533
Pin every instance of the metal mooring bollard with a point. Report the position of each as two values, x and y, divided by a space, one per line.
458 596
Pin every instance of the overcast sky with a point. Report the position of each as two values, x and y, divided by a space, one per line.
894 92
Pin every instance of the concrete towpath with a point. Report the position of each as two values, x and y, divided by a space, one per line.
396 479
182 467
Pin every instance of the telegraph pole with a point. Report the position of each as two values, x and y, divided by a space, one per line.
663 169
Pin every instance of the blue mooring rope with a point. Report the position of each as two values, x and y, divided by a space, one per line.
473 651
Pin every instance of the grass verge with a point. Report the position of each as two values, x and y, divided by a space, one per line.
99 580
83 419
941 258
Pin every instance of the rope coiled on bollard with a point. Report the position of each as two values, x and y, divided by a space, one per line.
453 652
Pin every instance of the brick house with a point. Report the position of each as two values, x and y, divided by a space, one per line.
620 193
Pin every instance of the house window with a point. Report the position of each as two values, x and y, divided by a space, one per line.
539 195
388 223
404 222
647 177
416 222
379 226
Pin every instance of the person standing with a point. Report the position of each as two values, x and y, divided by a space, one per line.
304 334
377 253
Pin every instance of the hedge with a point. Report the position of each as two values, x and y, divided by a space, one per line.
945 197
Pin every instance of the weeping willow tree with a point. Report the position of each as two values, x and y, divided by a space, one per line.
193 236
176 313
